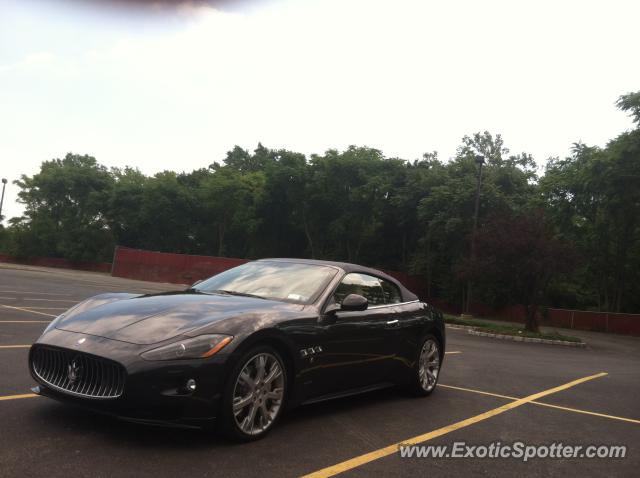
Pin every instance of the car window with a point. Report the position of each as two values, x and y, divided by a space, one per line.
391 292
285 281
362 284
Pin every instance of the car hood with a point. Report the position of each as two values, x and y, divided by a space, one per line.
149 319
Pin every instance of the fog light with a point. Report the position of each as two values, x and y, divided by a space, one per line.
191 385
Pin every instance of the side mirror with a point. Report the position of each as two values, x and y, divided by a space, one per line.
354 302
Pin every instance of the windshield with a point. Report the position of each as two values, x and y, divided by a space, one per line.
286 281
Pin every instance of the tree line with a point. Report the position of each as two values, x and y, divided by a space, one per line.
567 237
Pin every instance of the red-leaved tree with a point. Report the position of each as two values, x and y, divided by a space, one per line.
517 256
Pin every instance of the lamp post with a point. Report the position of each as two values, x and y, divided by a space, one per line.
479 160
4 183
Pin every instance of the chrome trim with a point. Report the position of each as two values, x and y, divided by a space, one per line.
105 378
392 305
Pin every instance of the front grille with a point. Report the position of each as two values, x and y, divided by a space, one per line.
78 373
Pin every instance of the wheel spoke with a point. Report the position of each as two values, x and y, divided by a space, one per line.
248 423
245 379
240 403
275 394
273 374
261 362
429 364
265 416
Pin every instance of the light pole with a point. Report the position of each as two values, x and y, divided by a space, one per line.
4 183
479 160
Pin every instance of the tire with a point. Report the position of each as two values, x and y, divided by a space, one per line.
254 396
426 370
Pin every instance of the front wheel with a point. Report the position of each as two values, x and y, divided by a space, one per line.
427 367
254 397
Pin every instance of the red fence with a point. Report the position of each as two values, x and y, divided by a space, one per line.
167 267
610 322
626 324
57 262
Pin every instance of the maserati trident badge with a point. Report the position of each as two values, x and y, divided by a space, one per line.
73 372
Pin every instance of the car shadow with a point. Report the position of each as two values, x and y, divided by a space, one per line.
80 421
83 422
359 402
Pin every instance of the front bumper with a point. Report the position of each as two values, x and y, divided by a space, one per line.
154 391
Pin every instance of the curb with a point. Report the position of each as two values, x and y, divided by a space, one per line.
517 338
459 327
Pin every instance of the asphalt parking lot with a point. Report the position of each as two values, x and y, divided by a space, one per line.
489 391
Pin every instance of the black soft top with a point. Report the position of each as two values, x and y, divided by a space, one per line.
347 267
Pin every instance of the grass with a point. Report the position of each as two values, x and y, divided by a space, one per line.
507 329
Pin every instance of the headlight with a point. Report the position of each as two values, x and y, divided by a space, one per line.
202 346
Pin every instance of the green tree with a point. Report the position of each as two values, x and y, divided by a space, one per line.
445 211
594 199
228 200
168 210
346 195
123 210
64 214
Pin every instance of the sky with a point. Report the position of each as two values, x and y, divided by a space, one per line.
165 86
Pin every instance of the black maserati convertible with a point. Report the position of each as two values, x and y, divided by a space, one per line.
238 347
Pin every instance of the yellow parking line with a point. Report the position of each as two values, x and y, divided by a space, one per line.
477 391
26 310
586 412
391 449
453 352
14 346
16 397
568 409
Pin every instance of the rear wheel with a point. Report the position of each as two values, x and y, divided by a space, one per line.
427 367
254 397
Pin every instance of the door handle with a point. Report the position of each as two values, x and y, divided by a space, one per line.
392 323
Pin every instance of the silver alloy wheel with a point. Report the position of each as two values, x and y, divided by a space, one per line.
258 393
429 365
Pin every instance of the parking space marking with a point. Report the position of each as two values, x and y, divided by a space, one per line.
478 391
14 346
392 449
587 412
25 321
453 352
543 404
26 310
110 285
8 298
29 292
48 308
17 397
73 301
